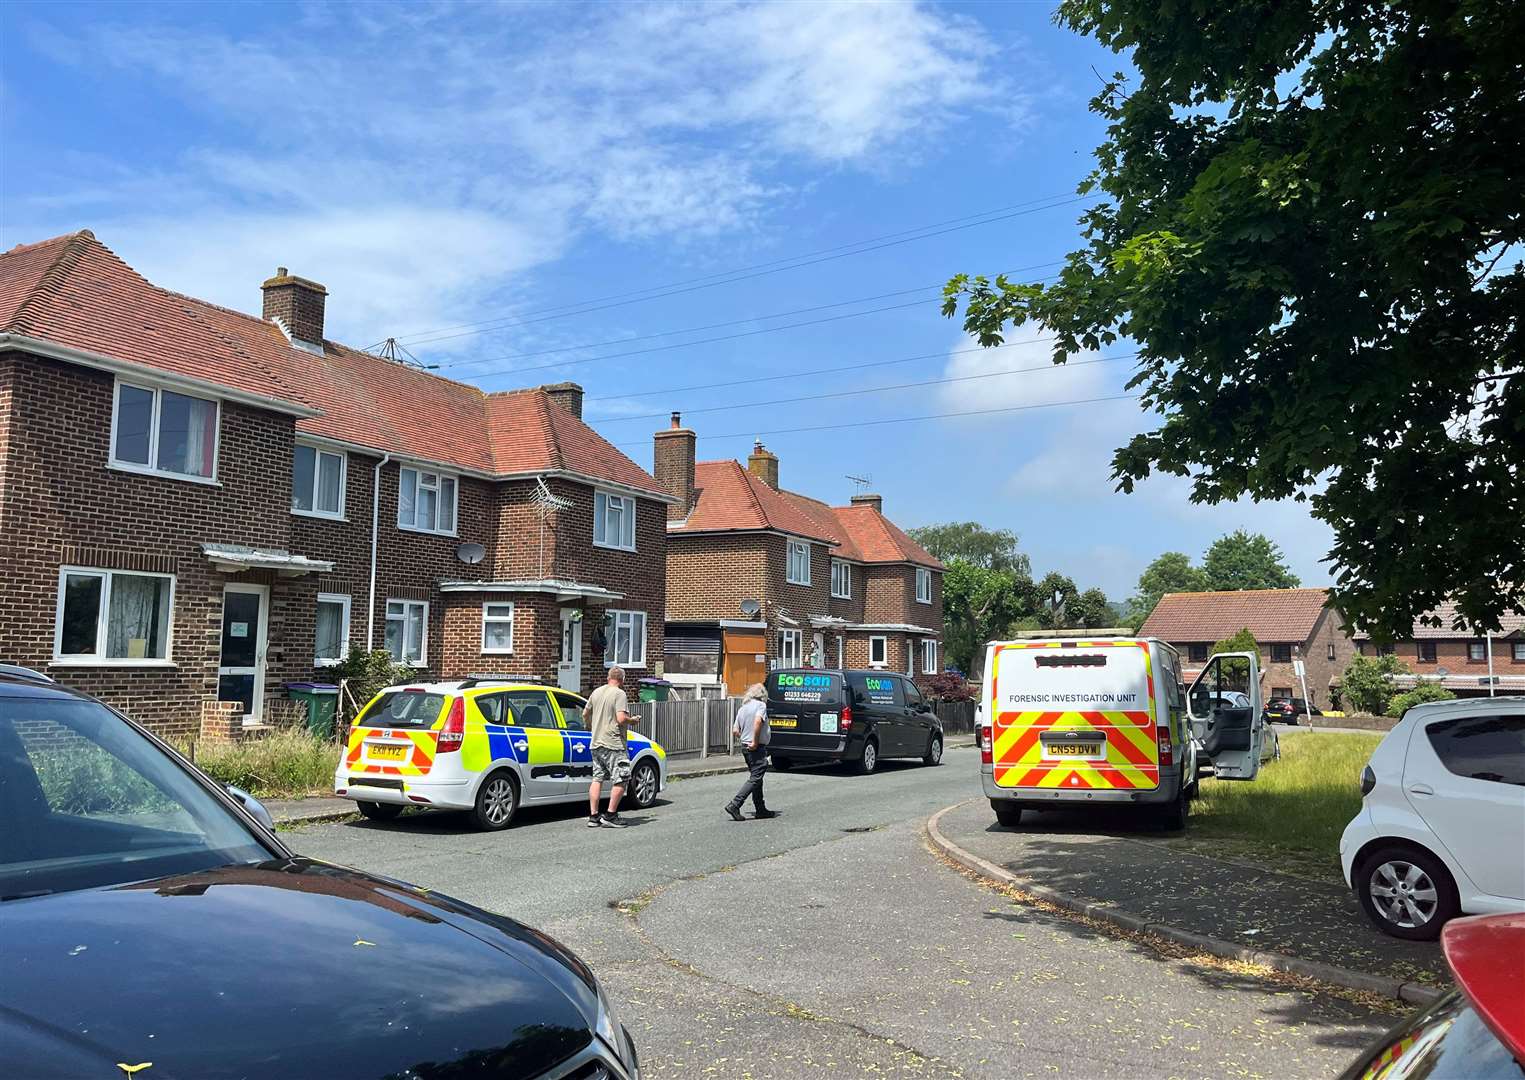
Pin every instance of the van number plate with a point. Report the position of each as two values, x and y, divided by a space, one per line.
783 722
386 752
1074 749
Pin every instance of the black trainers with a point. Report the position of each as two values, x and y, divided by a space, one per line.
612 821
593 821
735 812
765 814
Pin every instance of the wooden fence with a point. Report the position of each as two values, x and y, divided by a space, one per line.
700 728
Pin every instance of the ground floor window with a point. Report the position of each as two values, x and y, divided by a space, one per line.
111 616
498 628
408 631
625 638
1281 691
878 651
929 656
788 648
333 629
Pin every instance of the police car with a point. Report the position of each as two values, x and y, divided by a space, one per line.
484 745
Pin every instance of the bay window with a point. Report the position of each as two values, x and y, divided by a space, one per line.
613 521
112 617
799 563
332 643
624 638
426 501
159 431
317 482
408 631
841 579
498 628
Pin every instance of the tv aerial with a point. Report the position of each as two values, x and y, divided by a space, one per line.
546 503
863 482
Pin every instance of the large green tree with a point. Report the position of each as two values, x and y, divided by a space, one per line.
979 605
1242 560
1311 229
992 549
1171 572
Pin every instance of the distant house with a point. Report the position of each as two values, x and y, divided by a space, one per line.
1287 623
1458 659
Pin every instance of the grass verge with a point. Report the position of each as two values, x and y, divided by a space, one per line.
1291 817
281 765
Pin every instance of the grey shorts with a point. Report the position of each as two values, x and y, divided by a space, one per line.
610 765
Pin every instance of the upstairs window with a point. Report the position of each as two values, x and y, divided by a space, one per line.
613 521
841 579
923 586
317 482
1281 654
1477 651
426 501
1427 652
160 431
799 563
1519 650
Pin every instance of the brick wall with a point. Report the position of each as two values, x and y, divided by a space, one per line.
709 576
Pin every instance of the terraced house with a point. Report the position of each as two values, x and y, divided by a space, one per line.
761 577
199 505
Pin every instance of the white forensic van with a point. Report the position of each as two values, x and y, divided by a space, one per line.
1067 722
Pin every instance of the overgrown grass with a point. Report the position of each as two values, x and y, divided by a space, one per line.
82 779
282 765
1291 817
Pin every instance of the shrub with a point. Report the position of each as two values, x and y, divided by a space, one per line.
1367 683
83 780
945 686
1425 691
283 764
365 675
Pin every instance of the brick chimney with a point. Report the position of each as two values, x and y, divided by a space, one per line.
566 395
763 464
876 501
297 303
672 458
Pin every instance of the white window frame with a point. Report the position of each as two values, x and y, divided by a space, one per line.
317 472
423 645
841 651
152 469
1517 650
489 618
789 645
923 585
802 548
1477 652
884 651
343 600
626 540
841 579
438 487
612 639
102 620
929 656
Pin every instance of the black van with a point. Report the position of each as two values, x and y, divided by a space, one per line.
824 714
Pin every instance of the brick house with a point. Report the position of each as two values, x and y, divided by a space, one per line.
760 577
197 504
1287 624
1462 655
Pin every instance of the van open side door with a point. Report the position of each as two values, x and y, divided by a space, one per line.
1225 711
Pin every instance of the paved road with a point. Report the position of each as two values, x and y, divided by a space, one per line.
829 942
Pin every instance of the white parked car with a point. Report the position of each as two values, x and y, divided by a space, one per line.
1442 826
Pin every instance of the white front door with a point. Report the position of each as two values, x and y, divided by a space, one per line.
569 666
241 667
818 650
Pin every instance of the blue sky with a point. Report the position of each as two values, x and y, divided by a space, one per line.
508 188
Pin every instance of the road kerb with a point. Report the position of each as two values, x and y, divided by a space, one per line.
1411 992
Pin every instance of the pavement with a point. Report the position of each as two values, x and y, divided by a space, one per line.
1254 913
830 941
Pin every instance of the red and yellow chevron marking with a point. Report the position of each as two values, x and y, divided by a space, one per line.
1132 753
417 764
1384 1064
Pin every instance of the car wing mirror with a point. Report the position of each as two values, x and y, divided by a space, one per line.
253 806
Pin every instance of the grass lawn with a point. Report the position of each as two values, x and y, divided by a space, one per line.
281 765
1290 818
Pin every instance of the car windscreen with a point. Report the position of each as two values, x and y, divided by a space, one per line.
402 708
805 687
87 801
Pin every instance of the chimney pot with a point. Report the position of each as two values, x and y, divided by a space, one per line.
565 395
763 464
677 420
297 303
672 462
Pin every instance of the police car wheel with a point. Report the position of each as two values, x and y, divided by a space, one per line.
643 784
497 799
378 811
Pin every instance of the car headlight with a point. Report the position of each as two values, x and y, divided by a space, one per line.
610 1030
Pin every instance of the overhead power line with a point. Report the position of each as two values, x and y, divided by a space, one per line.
875 389
639 296
908 419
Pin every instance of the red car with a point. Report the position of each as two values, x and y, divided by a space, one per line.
1477 1031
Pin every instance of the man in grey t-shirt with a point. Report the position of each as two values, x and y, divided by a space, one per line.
607 714
751 730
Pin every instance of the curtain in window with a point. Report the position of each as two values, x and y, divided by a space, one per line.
415 643
330 631
187 434
135 622
407 484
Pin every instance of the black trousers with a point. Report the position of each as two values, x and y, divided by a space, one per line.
757 766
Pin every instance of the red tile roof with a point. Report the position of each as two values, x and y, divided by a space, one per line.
880 539
74 291
728 498
1510 625
1272 615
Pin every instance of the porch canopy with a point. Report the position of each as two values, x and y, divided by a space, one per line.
561 589
235 558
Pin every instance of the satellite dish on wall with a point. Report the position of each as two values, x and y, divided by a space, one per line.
750 607
471 554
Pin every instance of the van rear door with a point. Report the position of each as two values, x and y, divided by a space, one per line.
1073 715
1230 733
805 709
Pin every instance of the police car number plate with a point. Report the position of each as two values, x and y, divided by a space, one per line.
783 721
375 751
1074 749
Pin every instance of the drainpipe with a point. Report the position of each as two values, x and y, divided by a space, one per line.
370 610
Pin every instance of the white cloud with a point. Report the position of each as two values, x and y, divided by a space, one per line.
1037 380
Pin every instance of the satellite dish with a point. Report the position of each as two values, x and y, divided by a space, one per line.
1442 672
471 554
750 607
